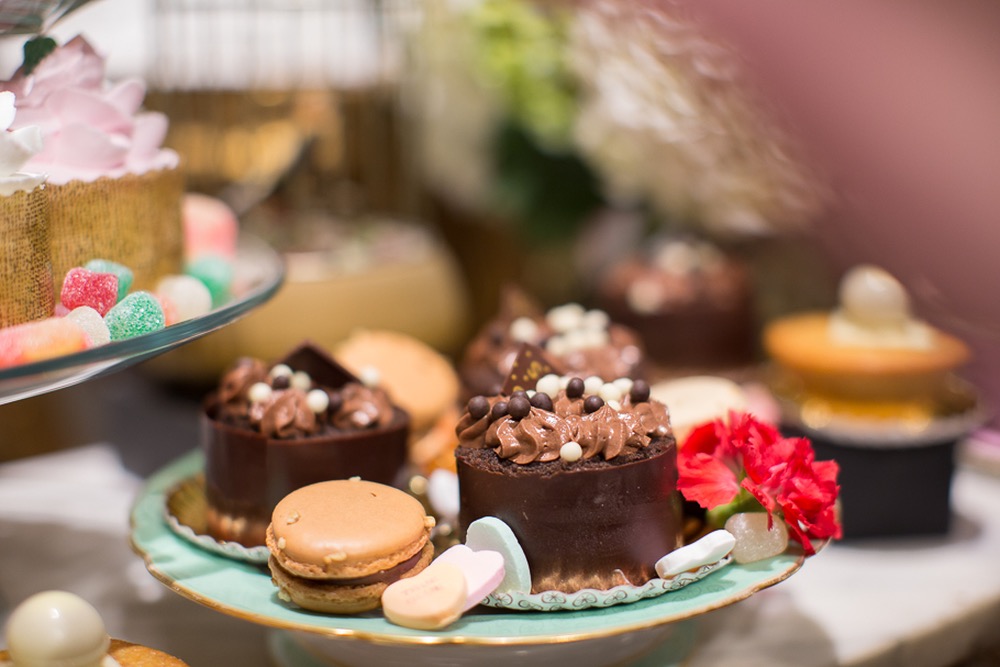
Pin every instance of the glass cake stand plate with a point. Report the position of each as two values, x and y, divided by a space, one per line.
258 273
658 628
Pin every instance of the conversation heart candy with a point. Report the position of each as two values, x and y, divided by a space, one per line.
492 534
137 314
125 276
483 571
429 600
82 287
709 549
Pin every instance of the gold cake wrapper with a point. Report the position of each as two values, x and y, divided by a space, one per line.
134 220
26 291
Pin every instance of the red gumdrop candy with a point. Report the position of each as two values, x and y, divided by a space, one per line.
82 287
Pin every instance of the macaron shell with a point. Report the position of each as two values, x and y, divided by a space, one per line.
346 529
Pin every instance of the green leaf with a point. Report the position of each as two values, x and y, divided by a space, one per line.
35 50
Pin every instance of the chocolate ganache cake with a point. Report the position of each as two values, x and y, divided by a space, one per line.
575 340
268 430
584 473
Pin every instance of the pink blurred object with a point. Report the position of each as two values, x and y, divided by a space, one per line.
210 227
44 339
898 103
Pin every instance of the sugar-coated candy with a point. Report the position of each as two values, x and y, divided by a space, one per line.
431 599
216 273
754 540
210 227
137 314
493 534
92 324
83 287
42 339
709 549
125 275
189 296
483 571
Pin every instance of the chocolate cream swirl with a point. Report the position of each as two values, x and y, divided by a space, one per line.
540 435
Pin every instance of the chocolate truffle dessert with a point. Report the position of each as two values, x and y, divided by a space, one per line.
575 340
690 302
584 474
268 430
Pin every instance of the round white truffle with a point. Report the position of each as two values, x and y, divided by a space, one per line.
56 629
870 295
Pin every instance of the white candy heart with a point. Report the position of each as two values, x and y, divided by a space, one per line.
709 549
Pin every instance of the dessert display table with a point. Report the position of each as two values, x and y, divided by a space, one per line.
915 602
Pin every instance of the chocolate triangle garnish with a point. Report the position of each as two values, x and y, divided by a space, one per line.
320 366
529 365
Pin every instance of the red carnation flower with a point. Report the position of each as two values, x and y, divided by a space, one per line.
746 464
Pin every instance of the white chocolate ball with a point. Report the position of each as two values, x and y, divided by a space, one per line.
548 384
259 392
370 376
870 295
566 317
571 451
595 319
56 629
610 392
318 401
524 330
300 380
280 370
592 385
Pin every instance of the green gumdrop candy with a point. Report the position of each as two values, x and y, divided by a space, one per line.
217 274
124 273
137 314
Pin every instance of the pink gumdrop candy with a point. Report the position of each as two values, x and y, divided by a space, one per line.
82 287
44 339
483 571
210 227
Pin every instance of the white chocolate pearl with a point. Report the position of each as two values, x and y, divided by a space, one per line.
280 370
677 258
56 628
566 317
594 338
548 384
610 392
645 296
592 385
576 339
530 392
870 295
557 345
614 405
318 400
524 330
571 451
595 319
369 376
300 380
625 384
564 381
259 392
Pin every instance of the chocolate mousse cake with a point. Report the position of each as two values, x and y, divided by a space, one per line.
584 474
689 301
575 340
268 430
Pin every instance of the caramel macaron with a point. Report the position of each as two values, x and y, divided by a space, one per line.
335 546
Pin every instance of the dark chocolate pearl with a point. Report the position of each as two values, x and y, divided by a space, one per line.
499 410
520 393
640 391
542 401
336 402
593 403
518 407
281 381
574 389
479 407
